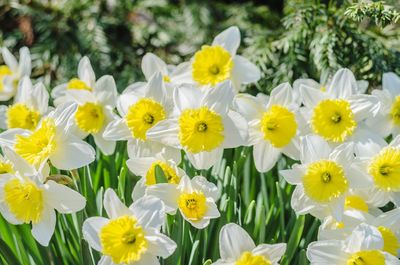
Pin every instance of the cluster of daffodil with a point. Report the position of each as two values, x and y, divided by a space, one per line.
345 141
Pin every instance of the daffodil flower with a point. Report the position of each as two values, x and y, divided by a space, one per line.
363 246
381 162
146 168
195 198
202 124
129 235
85 81
30 105
13 71
26 196
95 111
324 178
273 125
387 122
52 140
237 248
141 110
219 62
338 114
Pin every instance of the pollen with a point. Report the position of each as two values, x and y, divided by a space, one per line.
38 146
385 169
200 130
212 65
90 117
367 257
143 115
123 240
24 199
193 205
324 181
78 84
21 116
247 258
169 172
279 126
333 120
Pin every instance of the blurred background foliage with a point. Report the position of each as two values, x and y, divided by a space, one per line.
287 39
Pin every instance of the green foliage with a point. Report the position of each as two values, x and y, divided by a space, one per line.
381 14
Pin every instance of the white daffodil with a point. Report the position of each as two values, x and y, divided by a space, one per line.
202 125
338 114
172 75
273 125
140 110
363 246
388 224
146 168
95 111
30 105
381 162
86 81
130 236
51 140
237 248
387 122
219 62
13 71
324 178
27 196
195 198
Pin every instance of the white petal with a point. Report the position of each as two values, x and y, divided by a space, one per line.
155 88
302 204
72 153
313 148
91 230
219 98
208 188
81 96
20 164
364 106
326 252
212 210
294 175
44 230
139 190
165 132
8 137
265 156
107 147
113 205
146 259
311 96
159 245
24 92
343 84
105 260
139 166
233 241
281 95
5 212
205 160
62 198
381 124
235 130
117 130
244 71
364 237
3 117
273 252
105 91
24 62
168 193
149 211
248 106
187 97
152 64
40 97
391 82
362 86
229 39
292 149
125 101
85 71
9 59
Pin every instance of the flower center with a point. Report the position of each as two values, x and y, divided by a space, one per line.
4 71
21 116
390 242
324 181
90 117
212 65
367 257
78 84
123 240
279 126
169 173
24 199
166 79
37 147
247 258
143 115
333 119
395 111
356 202
193 205
200 130
385 169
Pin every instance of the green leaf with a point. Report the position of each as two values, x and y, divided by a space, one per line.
160 175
